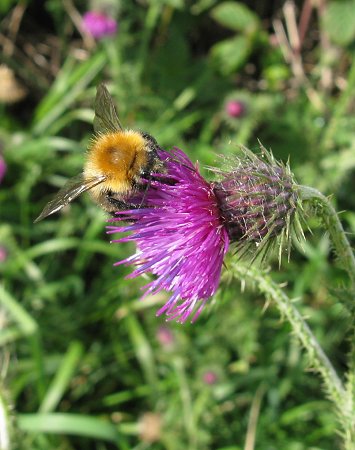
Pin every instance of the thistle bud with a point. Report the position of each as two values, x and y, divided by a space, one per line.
235 108
3 168
99 25
258 201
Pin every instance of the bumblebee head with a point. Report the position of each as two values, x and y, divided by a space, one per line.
154 163
152 144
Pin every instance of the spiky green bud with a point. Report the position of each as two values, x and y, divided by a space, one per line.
259 203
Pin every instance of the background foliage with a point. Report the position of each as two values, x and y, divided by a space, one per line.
84 363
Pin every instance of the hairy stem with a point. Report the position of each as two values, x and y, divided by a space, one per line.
333 225
317 358
346 260
300 328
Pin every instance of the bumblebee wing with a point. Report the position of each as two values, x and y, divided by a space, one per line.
72 189
106 118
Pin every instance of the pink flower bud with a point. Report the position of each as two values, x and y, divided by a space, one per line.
99 24
235 108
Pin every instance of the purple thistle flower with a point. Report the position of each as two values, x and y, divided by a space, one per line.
3 254
235 108
99 24
180 238
210 377
183 225
165 337
3 168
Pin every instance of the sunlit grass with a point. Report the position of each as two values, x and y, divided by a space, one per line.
81 359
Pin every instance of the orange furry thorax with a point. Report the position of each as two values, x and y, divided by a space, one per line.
120 156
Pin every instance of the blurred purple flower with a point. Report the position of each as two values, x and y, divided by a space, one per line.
165 337
209 377
3 254
180 238
2 168
99 24
235 108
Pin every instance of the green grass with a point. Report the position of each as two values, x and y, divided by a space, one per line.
81 363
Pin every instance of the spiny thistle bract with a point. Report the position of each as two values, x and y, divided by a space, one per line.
259 202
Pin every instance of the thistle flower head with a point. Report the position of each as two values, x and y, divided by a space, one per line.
184 224
180 237
3 168
3 254
235 108
99 25
258 201
165 337
210 377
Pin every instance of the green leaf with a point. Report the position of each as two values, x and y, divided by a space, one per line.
70 83
5 6
235 16
77 424
37 149
62 378
231 54
142 348
339 21
23 319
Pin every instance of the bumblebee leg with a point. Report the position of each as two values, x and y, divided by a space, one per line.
120 205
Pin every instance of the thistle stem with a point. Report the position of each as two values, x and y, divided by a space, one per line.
346 260
299 326
318 359
334 227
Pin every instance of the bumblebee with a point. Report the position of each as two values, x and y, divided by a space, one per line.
118 163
